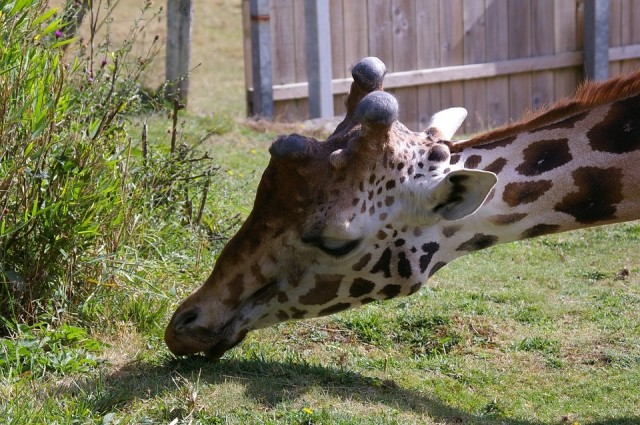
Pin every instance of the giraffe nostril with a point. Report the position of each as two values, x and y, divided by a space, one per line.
186 318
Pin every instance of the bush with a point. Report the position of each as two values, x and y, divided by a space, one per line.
76 189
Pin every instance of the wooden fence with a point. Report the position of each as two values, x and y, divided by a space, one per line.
497 58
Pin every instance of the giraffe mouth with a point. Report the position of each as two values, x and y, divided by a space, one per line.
186 342
216 352
261 296
185 335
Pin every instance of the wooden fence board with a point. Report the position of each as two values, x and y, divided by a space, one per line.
404 56
336 12
283 44
631 33
299 37
428 57
356 38
356 33
615 33
498 87
542 44
452 50
380 31
246 41
446 74
338 63
566 22
475 94
519 33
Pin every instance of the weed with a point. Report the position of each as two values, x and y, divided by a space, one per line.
64 157
493 408
147 313
530 314
539 343
428 335
591 275
40 349
80 196
368 328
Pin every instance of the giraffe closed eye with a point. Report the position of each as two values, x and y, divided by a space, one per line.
333 247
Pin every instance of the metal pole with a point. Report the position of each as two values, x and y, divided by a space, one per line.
261 58
318 31
596 39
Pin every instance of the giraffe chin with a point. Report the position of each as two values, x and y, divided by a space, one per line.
216 352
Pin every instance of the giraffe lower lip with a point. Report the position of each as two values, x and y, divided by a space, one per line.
216 352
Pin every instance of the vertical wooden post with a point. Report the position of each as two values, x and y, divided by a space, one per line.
596 39
179 13
319 68
261 58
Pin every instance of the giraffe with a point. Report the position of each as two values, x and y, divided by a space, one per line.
376 209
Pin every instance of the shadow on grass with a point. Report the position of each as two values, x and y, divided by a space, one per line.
270 382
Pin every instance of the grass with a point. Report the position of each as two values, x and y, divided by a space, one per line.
535 332
545 331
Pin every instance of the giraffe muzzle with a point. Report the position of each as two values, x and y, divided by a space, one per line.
186 336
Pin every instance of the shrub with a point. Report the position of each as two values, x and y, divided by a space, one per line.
76 189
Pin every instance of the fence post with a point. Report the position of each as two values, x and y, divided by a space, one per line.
596 39
319 71
261 58
179 14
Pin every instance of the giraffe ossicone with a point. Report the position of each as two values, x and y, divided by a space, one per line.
374 210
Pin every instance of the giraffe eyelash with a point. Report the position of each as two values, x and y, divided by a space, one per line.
339 250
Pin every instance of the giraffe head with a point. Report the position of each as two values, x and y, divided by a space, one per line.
335 224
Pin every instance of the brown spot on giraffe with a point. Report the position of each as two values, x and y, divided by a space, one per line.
437 266
383 264
404 266
496 166
282 315
507 219
236 286
296 313
429 249
449 231
543 156
539 230
361 287
619 131
390 291
473 161
326 289
598 192
336 308
477 242
519 193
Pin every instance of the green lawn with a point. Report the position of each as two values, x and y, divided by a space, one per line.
541 331
545 331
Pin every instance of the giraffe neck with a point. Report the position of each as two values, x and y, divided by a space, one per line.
578 171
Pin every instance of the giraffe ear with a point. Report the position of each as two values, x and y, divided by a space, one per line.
444 124
460 193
